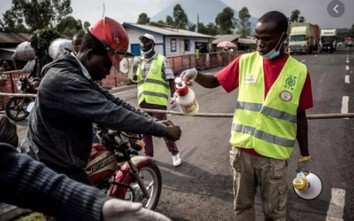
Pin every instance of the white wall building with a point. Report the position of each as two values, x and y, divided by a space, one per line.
170 41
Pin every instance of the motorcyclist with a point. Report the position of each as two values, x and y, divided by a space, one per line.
22 180
69 102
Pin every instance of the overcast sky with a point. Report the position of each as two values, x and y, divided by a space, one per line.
314 11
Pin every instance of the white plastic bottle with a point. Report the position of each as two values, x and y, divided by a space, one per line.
185 99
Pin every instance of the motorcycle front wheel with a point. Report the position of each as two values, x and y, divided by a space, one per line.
151 177
16 108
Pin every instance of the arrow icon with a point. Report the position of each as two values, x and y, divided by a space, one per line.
335 8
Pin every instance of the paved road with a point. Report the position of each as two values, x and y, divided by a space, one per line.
201 188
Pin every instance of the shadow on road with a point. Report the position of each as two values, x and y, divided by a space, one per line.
188 178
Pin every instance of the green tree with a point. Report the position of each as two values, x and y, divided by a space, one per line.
302 19
180 17
35 14
143 19
209 29
294 17
226 21
69 26
243 25
8 24
169 20
212 29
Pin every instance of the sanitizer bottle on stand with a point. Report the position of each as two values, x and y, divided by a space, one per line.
185 97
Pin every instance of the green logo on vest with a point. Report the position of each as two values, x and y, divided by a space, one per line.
290 82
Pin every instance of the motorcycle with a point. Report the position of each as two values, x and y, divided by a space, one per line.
116 168
18 108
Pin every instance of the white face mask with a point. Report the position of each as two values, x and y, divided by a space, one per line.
147 52
274 53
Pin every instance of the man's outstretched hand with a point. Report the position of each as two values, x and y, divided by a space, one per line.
189 74
116 209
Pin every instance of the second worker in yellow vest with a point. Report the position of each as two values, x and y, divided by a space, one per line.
155 81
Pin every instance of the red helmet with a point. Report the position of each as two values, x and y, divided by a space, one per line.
113 37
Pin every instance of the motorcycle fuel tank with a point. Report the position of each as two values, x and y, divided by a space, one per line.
102 164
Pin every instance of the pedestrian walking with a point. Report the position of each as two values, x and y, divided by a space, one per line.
155 80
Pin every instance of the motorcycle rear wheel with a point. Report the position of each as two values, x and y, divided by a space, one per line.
151 177
16 108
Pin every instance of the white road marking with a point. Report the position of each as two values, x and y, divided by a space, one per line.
347 68
346 79
345 102
303 61
336 205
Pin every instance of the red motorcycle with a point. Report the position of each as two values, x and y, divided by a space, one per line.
116 167
17 108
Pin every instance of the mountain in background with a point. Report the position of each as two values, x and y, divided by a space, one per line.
206 9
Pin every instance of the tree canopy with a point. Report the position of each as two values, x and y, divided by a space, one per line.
243 25
31 15
180 17
296 17
143 19
226 21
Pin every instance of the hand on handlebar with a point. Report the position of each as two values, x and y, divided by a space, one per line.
167 122
173 132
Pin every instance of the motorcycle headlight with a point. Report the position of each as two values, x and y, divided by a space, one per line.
19 85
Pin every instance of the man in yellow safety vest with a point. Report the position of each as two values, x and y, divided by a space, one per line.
155 80
274 90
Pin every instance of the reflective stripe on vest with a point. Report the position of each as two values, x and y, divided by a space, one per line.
153 89
267 124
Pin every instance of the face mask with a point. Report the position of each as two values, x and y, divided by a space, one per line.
274 53
147 52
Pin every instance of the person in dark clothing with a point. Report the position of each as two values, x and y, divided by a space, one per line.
69 102
8 131
30 184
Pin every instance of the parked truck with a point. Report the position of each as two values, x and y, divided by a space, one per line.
303 38
328 40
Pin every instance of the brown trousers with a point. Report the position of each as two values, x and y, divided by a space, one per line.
251 171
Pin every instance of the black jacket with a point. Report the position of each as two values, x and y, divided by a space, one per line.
29 184
67 103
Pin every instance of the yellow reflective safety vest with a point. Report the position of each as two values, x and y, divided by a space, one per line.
154 88
267 124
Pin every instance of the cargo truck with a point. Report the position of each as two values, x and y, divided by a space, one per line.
303 38
328 40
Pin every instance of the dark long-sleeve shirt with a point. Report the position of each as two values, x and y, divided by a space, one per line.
67 104
29 184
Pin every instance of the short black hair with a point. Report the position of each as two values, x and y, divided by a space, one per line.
90 42
278 18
